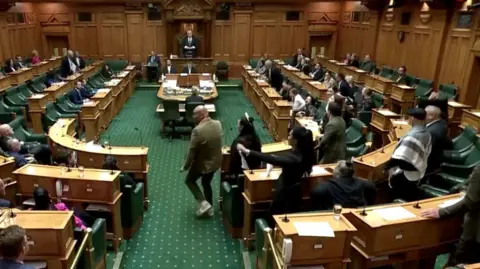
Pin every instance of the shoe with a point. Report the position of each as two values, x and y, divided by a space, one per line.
211 212
204 207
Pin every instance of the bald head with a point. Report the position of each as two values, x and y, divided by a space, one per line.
433 113
14 145
200 113
6 130
268 64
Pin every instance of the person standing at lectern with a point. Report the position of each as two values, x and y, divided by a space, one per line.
153 65
189 69
189 45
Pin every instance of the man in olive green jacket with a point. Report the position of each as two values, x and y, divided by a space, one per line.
332 143
204 158
469 243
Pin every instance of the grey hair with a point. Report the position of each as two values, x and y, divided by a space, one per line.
433 110
342 169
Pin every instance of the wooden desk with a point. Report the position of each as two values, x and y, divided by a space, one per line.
180 94
55 90
260 188
36 105
330 252
90 118
472 118
5 83
89 70
371 165
94 187
50 236
406 241
257 95
335 66
455 111
20 76
358 75
378 83
402 96
322 59
316 89
381 123
269 96
310 124
41 68
398 128
129 159
105 98
72 79
202 65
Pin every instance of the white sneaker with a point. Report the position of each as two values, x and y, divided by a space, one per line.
204 207
211 212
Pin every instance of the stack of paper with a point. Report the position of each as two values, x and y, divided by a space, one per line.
103 90
318 229
206 84
450 202
94 147
317 170
394 213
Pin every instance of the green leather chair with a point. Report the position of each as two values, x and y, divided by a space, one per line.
365 117
66 107
354 135
96 82
412 81
117 65
171 117
462 143
21 133
260 225
16 110
52 115
356 151
132 209
24 90
447 91
424 88
321 110
393 75
385 72
288 60
232 208
37 84
99 243
253 62
222 71
459 169
377 100
13 97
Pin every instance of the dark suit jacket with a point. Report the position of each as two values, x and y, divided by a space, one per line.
440 141
355 63
367 66
235 159
65 68
9 69
333 141
86 93
17 65
192 71
81 63
345 89
194 44
306 69
317 74
194 99
76 97
275 78
156 60
5 203
173 70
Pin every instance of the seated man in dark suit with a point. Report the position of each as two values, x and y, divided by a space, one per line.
343 86
317 72
14 147
13 248
41 152
367 103
89 89
402 76
3 202
169 68
189 69
343 189
86 93
354 60
75 95
194 98
19 63
438 129
273 74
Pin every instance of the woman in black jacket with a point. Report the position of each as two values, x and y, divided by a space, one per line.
296 165
248 138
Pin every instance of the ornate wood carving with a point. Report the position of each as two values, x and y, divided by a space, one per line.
347 16
425 17
54 19
185 10
322 18
389 16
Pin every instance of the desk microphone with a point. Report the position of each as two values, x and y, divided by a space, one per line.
417 205
364 212
141 136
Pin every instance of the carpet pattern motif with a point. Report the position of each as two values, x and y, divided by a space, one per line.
171 236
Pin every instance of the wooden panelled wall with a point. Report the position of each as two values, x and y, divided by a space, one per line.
432 46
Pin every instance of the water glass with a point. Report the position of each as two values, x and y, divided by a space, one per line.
63 169
81 170
337 211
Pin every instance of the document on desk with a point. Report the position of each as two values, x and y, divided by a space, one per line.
104 90
317 229
94 147
394 213
317 170
450 202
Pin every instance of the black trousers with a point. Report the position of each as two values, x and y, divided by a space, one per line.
191 182
402 188
152 74
465 253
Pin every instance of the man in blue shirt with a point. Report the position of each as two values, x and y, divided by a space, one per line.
13 248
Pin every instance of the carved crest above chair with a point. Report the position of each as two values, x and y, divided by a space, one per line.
189 9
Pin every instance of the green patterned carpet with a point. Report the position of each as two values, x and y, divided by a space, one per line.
171 236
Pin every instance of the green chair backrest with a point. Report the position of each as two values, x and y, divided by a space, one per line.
466 139
171 110
377 99
23 89
448 91
288 60
354 133
385 72
253 62
117 65
18 129
412 81
14 95
189 107
222 65
474 156
394 75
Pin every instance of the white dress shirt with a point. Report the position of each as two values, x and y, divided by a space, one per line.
298 103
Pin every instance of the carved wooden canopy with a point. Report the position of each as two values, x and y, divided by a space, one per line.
189 9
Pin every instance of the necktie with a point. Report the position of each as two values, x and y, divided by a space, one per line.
189 41
151 59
